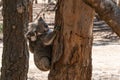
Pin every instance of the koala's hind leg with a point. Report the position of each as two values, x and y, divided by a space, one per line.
43 63
42 57
43 60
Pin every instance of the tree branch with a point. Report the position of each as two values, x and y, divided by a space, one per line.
108 11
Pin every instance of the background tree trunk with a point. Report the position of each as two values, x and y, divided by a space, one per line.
1 3
108 11
119 3
49 1
31 11
72 46
15 52
36 2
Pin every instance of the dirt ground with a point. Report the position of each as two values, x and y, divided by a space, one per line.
105 53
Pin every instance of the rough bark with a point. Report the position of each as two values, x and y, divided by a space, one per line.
15 52
30 11
108 11
71 58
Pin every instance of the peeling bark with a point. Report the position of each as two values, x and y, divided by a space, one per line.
108 11
71 58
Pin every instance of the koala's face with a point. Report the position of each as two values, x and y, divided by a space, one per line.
36 29
31 33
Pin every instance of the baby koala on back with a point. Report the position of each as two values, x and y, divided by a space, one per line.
40 39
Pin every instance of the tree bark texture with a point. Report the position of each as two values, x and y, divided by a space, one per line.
15 53
108 11
71 57
119 3
31 11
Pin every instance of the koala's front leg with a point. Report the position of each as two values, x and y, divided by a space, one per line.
49 38
31 46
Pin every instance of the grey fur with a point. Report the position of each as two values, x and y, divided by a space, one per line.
41 45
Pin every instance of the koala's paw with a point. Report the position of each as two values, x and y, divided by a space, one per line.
43 63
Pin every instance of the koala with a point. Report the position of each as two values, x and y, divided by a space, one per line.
40 39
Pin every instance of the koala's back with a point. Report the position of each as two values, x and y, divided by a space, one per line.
41 49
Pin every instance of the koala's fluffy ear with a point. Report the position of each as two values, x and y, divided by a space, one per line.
41 21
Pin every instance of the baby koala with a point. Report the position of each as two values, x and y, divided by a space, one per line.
40 39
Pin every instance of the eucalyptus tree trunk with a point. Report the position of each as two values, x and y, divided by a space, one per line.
15 53
31 11
1 3
119 3
108 11
49 1
71 58
36 1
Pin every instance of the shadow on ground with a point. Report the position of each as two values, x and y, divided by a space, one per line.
103 35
